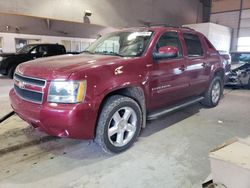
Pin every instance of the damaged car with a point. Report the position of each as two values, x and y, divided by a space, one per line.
240 70
226 65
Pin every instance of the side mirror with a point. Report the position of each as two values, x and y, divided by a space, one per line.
226 56
166 52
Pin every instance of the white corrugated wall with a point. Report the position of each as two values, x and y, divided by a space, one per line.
244 31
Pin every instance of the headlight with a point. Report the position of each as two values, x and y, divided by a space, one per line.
67 91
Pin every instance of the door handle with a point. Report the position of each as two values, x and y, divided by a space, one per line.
204 64
182 68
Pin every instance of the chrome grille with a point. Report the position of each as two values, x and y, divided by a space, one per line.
29 89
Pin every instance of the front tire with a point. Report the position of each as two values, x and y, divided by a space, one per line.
119 124
214 93
11 72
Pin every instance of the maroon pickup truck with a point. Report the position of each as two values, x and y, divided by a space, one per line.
124 78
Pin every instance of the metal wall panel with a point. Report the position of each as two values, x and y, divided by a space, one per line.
245 23
245 14
236 18
246 4
244 30
225 5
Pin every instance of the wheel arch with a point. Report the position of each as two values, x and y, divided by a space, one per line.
219 72
11 65
134 92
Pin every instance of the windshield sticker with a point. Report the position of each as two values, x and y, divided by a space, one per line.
134 35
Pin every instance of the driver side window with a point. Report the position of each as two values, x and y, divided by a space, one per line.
170 39
42 50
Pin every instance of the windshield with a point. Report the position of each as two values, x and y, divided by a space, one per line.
125 44
25 49
240 57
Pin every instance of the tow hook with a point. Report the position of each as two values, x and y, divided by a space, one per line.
7 116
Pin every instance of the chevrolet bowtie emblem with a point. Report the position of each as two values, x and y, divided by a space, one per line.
21 85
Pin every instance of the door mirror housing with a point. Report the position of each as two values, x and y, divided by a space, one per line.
166 52
226 56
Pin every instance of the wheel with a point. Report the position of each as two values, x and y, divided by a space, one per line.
11 72
119 124
214 93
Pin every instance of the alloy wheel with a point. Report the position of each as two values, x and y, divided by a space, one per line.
216 91
122 126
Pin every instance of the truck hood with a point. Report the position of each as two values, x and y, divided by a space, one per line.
61 67
236 66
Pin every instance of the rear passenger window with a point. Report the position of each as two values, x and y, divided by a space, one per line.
193 43
56 50
170 39
43 50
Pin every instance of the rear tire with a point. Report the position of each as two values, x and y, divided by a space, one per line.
119 124
11 72
214 93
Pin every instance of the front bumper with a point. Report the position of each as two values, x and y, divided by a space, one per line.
62 120
239 80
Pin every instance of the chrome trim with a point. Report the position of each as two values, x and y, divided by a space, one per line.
31 90
33 78
28 99
161 87
30 83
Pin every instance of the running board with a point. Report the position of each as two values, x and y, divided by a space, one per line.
162 112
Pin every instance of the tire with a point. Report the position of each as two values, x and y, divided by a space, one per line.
119 124
11 72
214 93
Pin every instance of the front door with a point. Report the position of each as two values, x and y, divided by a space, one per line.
168 81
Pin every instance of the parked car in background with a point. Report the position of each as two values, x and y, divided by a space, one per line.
108 93
9 62
226 64
240 70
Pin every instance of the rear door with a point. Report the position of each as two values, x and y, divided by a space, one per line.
168 81
198 68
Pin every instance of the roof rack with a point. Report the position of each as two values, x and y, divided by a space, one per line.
187 28
163 25
148 25
168 25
